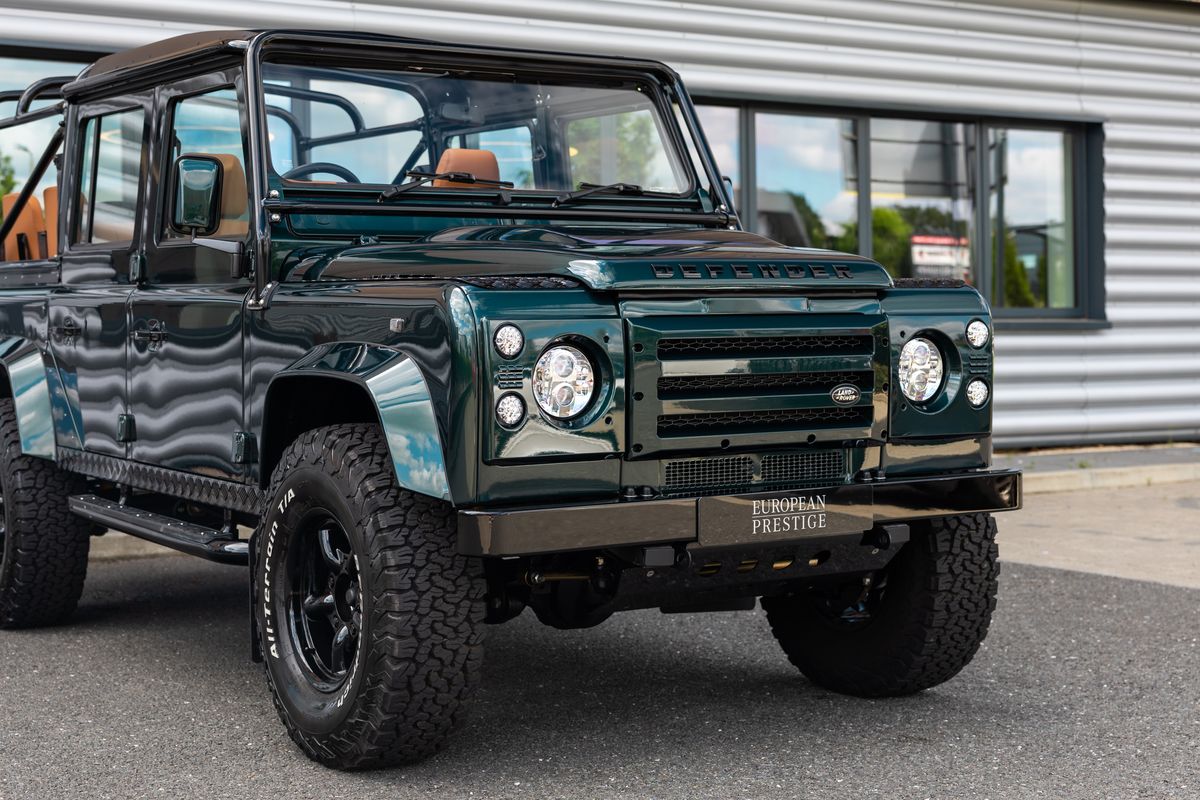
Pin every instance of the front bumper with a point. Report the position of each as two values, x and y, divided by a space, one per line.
735 521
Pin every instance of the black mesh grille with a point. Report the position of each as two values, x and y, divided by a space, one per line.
732 422
749 383
789 467
700 472
751 346
738 474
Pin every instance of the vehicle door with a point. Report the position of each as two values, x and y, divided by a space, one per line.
102 191
185 357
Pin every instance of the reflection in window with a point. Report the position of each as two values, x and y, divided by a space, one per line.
922 196
622 148
807 180
721 128
1030 207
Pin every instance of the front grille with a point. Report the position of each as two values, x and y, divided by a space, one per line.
736 383
701 383
751 473
752 346
734 422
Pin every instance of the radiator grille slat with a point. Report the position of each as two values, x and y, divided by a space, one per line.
751 346
673 386
776 419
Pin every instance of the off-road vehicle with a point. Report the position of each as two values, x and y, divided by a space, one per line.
458 331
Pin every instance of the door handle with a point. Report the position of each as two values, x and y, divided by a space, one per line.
69 329
154 333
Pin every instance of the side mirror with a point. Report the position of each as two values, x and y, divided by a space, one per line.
728 181
196 203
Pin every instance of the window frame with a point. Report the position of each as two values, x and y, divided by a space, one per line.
1086 187
98 111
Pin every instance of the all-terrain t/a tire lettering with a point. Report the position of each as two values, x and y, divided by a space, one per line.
370 654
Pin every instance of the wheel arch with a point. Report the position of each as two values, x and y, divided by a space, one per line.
353 382
23 377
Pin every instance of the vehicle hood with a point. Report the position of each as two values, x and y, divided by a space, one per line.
602 260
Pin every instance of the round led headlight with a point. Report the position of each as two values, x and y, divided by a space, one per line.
978 333
508 340
510 410
563 382
977 393
920 369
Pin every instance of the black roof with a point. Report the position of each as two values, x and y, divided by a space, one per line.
189 46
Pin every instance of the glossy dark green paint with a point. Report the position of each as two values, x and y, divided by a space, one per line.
343 306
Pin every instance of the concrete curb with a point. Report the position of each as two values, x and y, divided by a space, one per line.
1108 478
114 546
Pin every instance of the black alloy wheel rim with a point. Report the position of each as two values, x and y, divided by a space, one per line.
325 602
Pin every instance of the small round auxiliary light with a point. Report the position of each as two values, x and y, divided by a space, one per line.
508 340
977 393
510 410
978 333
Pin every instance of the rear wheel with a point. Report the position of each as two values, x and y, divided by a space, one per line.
43 546
370 622
913 626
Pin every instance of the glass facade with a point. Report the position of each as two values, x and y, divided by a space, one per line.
995 205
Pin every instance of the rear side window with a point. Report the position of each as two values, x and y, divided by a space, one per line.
34 234
112 176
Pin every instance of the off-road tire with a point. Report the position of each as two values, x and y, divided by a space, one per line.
420 645
45 546
928 625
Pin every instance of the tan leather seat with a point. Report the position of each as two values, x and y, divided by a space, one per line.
234 201
29 229
480 163
50 207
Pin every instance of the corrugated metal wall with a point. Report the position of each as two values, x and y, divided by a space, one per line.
1136 65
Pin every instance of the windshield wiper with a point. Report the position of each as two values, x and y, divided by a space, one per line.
589 189
421 178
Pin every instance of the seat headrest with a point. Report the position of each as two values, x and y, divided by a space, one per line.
480 163
29 224
233 186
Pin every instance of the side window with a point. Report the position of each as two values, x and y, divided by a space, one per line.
112 176
35 233
209 124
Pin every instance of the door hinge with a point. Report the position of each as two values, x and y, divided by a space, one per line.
126 429
245 448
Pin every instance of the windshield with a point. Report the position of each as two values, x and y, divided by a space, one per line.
477 131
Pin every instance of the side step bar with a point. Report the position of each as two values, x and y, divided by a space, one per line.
187 537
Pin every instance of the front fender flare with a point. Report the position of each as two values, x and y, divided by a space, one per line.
402 400
26 368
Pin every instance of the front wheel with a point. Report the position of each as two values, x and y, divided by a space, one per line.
370 622
913 626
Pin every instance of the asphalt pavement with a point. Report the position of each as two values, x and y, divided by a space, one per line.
1087 687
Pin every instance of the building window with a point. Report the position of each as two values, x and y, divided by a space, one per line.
1030 207
1013 208
923 192
807 188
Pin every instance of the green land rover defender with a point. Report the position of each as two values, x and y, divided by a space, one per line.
428 335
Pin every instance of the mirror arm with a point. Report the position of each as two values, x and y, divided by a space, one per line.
236 249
